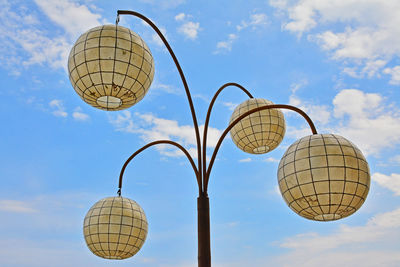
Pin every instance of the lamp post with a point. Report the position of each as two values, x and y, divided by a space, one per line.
322 177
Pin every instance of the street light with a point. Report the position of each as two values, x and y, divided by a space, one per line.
322 177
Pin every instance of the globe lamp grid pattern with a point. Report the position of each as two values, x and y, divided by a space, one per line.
324 177
115 228
259 132
110 67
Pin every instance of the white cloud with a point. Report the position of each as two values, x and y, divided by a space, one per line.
245 160
165 129
202 97
352 72
367 120
368 36
372 68
297 133
318 113
224 46
43 50
180 17
256 20
25 41
391 182
73 17
170 89
190 29
58 108
356 102
395 73
79 115
271 159
16 206
280 4
123 122
170 128
347 246
294 87
152 128
231 106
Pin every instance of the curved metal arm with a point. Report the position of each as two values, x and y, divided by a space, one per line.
209 115
196 127
156 143
207 176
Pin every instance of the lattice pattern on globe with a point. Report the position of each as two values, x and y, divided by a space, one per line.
115 228
111 67
324 177
259 132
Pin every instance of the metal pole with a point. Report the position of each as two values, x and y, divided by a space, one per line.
203 230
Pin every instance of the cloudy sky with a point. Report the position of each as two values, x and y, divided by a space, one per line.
337 60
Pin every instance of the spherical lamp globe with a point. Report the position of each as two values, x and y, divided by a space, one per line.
259 132
115 228
110 67
324 177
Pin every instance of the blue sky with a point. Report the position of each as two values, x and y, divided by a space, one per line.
337 60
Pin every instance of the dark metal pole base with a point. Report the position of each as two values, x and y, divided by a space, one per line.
203 226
